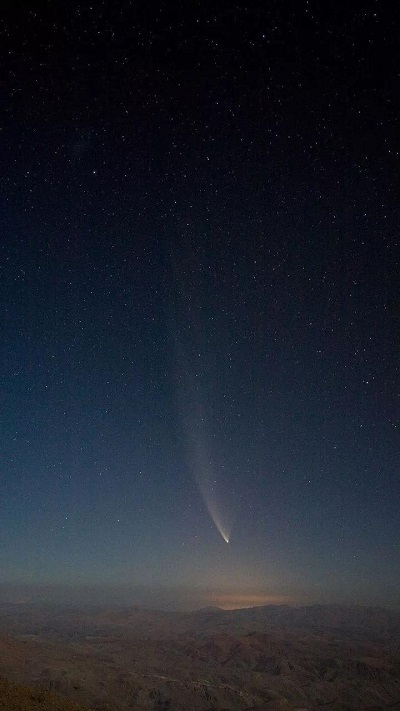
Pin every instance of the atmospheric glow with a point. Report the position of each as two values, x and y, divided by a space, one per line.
227 601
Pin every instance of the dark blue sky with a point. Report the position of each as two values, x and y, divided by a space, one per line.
199 293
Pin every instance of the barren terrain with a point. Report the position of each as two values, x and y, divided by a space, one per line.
272 658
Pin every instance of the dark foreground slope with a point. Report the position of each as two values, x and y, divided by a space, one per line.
14 697
275 659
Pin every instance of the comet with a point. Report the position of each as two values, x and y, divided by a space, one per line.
215 497
197 421
225 533
207 484
215 517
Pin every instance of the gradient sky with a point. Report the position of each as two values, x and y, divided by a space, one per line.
199 294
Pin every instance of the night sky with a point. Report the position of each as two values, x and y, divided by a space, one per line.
199 299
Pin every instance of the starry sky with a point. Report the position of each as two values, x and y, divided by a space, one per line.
199 299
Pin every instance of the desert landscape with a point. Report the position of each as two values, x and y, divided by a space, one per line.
277 658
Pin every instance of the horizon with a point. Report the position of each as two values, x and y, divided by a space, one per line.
170 598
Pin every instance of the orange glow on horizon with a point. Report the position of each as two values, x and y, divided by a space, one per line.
238 601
